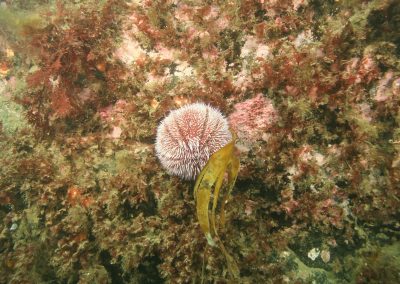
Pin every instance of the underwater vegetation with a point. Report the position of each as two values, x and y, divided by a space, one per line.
311 87
212 175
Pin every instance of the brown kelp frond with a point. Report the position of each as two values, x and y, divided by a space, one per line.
212 176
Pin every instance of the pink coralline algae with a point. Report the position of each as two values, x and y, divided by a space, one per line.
188 136
388 87
252 118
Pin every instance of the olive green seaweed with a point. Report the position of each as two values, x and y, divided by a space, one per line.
221 162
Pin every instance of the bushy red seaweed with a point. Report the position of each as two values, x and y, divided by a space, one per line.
73 67
92 203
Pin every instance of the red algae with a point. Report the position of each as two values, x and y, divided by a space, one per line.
312 89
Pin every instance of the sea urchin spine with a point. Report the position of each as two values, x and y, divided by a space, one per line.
188 136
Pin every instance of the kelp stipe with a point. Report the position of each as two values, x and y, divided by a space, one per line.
212 176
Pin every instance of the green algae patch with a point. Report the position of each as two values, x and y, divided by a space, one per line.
11 114
15 21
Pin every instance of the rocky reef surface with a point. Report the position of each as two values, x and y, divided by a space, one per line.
312 88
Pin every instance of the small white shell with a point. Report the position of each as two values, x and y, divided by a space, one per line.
313 253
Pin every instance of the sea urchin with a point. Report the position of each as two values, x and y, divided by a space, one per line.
188 136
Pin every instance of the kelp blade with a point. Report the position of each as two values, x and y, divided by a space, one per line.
213 171
202 200
213 175
233 170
